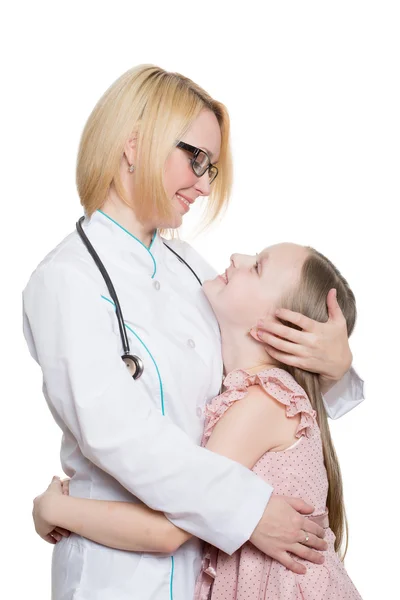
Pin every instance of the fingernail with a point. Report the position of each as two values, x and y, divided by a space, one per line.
255 333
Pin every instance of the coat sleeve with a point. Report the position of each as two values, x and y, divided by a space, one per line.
70 334
345 395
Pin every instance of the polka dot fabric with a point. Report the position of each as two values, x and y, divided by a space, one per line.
298 471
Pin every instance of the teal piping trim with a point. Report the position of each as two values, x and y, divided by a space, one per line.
151 356
135 238
171 592
171 580
154 237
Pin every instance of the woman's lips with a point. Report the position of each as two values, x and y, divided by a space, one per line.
183 202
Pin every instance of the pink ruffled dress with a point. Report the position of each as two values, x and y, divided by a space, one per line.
298 471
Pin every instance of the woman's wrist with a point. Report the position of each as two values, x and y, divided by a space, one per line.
52 508
326 383
328 380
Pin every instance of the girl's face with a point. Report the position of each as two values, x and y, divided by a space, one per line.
253 286
181 184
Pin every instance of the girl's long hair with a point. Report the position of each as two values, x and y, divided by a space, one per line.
318 276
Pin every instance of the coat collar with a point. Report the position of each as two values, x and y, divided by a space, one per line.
107 235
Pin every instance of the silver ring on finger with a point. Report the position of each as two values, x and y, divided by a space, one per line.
306 538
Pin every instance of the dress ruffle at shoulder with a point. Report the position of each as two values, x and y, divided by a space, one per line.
276 383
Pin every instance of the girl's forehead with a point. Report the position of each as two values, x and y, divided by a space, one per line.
284 255
284 249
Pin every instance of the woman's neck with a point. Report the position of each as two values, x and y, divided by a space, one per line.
125 216
241 351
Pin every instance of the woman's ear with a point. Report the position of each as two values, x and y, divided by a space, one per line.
130 149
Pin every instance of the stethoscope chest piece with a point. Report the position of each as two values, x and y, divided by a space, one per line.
134 364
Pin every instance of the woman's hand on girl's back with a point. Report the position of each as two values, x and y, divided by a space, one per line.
41 512
321 348
284 531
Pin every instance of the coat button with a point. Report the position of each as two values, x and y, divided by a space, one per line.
156 285
199 412
191 344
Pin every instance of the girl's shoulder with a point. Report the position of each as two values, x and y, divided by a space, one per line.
279 388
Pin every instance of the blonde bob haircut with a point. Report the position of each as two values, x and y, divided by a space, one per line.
156 108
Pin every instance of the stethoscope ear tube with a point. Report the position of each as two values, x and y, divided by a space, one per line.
134 363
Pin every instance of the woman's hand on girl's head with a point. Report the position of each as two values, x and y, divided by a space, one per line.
42 512
321 348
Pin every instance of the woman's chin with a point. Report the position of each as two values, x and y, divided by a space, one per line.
173 223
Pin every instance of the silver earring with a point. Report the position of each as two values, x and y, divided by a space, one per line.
131 168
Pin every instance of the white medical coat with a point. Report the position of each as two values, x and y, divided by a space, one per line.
139 440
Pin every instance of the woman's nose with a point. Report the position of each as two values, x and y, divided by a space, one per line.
203 185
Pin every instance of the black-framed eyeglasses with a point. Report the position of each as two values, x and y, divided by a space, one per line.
200 162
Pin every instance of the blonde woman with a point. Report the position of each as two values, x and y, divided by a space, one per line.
153 144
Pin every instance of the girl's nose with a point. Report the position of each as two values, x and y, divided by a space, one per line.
240 260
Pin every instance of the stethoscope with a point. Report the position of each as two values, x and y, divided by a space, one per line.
134 363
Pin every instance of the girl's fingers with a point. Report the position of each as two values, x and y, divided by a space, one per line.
48 538
57 536
62 531
65 487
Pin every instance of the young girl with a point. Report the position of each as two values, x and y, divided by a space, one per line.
271 418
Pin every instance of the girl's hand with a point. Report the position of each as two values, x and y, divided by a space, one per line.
319 347
41 509
65 486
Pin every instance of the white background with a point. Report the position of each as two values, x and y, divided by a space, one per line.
313 93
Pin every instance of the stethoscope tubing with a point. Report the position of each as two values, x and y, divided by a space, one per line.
109 283
138 368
